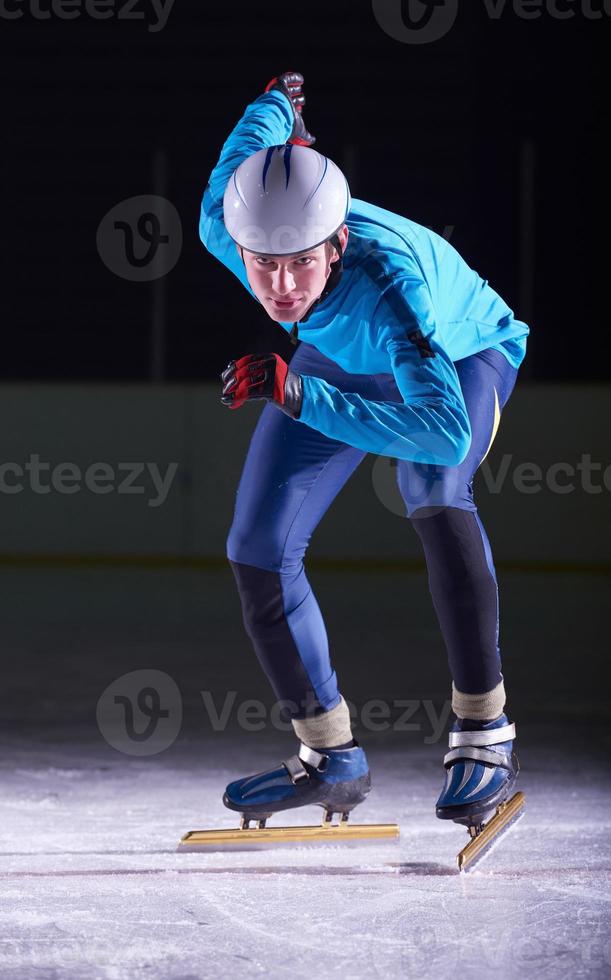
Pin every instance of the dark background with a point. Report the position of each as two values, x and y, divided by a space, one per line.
437 132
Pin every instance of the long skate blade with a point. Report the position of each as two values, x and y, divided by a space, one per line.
329 833
506 816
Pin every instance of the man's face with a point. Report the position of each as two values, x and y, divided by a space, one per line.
285 285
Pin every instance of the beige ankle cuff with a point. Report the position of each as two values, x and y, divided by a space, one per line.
479 707
325 730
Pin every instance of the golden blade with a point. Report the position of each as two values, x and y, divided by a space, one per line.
293 835
506 813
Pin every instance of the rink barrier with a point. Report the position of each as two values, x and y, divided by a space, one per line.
323 564
185 452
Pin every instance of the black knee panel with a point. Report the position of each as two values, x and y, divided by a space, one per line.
265 622
464 593
452 542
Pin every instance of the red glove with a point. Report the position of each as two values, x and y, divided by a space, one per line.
289 83
262 376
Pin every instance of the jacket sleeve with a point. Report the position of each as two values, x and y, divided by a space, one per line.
431 424
268 121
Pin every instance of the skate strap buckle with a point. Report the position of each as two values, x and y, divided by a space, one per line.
477 755
296 771
492 737
317 760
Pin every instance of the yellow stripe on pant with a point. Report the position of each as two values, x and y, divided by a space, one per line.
495 424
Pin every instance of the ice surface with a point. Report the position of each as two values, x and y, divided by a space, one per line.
92 884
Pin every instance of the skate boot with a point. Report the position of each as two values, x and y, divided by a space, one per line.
335 779
481 771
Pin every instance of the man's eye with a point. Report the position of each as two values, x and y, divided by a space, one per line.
306 259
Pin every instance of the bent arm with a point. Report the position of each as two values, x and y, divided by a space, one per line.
434 432
268 121
431 425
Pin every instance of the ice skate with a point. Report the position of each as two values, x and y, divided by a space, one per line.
335 779
481 771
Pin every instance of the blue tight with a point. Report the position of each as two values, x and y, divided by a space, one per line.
291 475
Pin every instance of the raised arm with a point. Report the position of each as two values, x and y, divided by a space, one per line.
272 119
267 121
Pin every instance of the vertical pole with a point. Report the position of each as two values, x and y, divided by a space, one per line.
349 165
526 243
158 303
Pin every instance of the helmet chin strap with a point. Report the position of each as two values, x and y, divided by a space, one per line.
333 279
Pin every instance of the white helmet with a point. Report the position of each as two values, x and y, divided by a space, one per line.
284 200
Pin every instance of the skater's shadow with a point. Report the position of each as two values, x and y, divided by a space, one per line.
98 853
424 868
421 868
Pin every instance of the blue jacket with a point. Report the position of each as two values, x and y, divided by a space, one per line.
399 277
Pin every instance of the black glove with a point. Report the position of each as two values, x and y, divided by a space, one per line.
265 376
289 83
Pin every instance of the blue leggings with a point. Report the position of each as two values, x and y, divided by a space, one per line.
291 475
